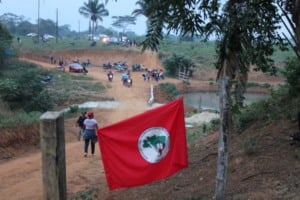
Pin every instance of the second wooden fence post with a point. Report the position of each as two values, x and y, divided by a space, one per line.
53 155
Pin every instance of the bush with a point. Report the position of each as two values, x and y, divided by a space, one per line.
5 43
169 89
292 74
73 109
177 63
278 105
23 89
42 102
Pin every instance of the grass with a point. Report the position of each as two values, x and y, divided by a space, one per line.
63 88
20 118
202 53
89 194
62 44
199 131
278 105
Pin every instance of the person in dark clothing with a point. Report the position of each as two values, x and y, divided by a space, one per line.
80 125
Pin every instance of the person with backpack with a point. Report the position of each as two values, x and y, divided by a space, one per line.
80 125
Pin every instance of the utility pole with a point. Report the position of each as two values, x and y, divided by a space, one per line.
56 32
38 35
78 29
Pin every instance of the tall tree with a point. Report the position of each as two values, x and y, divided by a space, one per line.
47 26
144 9
11 21
291 20
5 43
94 11
123 22
246 34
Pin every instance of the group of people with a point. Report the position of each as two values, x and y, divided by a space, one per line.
88 127
61 63
154 74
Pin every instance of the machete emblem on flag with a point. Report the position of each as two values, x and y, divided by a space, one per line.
154 144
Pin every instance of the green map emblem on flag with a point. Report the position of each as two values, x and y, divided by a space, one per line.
154 144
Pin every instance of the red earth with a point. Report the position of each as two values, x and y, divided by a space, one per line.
272 172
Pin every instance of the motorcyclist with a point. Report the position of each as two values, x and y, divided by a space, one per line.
110 75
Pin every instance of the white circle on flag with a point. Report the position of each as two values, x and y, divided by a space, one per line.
154 144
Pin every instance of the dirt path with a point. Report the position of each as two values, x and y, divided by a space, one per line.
22 177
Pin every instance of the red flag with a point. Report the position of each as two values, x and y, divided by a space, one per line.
144 148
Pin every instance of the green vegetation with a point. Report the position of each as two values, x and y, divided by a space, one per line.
5 43
28 44
21 88
169 89
279 105
95 11
201 53
199 131
292 74
89 194
20 118
26 91
176 63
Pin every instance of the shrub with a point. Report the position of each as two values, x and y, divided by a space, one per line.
169 89
5 43
292 74
42 102
73 108
23 89
88 194
177 63
251 145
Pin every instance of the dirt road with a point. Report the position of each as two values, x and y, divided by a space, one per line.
21 178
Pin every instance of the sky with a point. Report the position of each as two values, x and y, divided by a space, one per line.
68 12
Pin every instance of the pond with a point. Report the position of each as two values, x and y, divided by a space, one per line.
210 100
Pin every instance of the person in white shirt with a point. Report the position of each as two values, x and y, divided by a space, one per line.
90 133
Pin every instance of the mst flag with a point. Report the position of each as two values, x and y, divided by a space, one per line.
147 147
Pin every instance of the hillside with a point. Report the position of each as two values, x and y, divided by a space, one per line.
272 171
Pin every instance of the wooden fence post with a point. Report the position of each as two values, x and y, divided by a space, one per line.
223 145
53 155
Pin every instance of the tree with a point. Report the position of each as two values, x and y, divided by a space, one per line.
11 21
177 63
25 27
5 43
123 22
246 34
291 20
47 27
95 11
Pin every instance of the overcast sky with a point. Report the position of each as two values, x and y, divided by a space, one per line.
68 12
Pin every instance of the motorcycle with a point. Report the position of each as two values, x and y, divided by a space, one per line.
110 77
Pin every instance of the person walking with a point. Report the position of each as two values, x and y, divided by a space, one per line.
90 133
80 125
